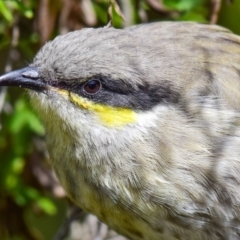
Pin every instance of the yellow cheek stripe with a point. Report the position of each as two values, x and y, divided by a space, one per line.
110 116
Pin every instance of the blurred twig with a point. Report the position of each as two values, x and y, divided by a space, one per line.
158 6
75 14
47 15
113 4
10 58
85 226
74 214
215 8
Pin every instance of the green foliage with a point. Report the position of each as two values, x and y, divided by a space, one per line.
15 145
8 8
102 13
192 10
183 5
24 117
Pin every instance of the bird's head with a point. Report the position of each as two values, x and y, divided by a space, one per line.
94 77
96 93
101 82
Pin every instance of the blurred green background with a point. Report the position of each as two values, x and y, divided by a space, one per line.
32 203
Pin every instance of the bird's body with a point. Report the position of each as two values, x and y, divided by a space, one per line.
143 126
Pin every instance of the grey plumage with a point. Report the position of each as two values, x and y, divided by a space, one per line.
171 173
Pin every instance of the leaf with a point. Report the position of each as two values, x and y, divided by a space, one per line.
182 5
193 17
5 11
47 205
117 9
23 116
18 165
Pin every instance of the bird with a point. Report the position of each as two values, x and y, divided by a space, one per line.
143 126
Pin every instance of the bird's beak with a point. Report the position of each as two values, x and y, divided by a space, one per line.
26 77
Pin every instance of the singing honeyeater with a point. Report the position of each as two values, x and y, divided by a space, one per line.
143 126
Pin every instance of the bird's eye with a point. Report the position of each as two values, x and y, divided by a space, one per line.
93 86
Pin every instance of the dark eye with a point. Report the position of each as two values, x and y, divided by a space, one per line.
93 86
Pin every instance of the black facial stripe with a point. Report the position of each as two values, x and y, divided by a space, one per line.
118 93
145 97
